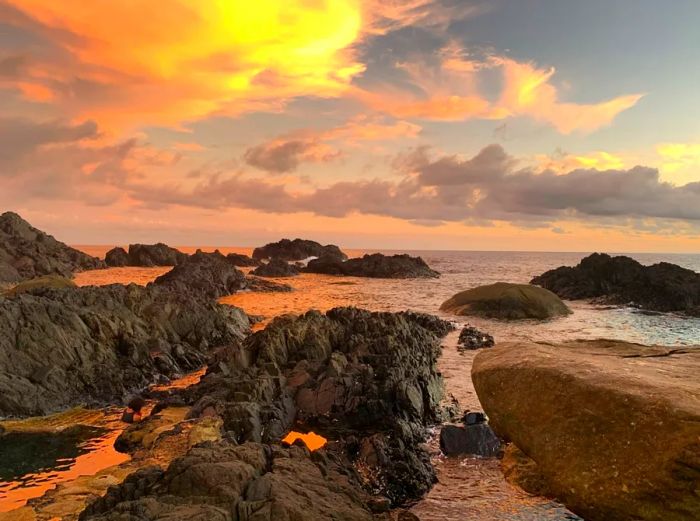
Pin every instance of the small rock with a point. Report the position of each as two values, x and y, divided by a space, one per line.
472 338
478 440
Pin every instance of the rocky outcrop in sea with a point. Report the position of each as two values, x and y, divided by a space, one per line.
296 250
376 265
507 301
276 268
622 280
145 255
242 261
26 253
365 381
610 428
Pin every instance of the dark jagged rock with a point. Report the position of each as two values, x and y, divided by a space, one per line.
276 268
471 338
297 249
207 274
145 255
242 261
366 380
26 253
476 439
117 257
63 347
224 482
622 280
375 265
507 301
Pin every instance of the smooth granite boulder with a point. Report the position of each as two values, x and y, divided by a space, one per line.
613 428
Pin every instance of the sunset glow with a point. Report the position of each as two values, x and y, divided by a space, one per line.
360 122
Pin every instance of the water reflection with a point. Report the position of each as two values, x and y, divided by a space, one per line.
312 440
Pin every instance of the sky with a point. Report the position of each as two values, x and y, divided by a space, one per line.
550 125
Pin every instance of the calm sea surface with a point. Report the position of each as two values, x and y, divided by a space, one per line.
469 488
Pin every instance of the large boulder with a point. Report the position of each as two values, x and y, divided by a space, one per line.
206 274
296 250
507 301
613 428
27 253
623 280
276 268
91 345
376 265
145 255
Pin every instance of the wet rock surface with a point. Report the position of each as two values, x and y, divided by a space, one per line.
610 428
507 301
90 345
26 253
622 280
365 381
375 265
471 338
145 255
276 268
296 250
477 439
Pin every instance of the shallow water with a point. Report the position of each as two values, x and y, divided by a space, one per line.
469 488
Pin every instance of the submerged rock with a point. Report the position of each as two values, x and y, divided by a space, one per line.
276 268
623 280
613 428
27 253
471 338
206 274
476 439
296 250
145 255
89 345
507 301
376 265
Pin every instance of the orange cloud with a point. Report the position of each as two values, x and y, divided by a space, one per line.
165 62
562 162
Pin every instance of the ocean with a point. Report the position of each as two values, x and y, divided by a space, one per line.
469 488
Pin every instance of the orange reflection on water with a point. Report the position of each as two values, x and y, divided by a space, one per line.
312 440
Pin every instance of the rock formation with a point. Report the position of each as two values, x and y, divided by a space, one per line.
296 250
145 255
63 347
471 338
242 261
26 253
613 428
376 265
206 274
622 280
507 301
365 381
276 268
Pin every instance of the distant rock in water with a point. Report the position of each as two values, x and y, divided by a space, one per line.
276 268
64 347
296 250
622 280
27 253
242 261
471 338
376 265
145 255
206 274
507 301
613 428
